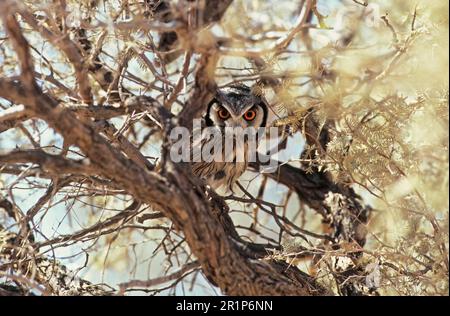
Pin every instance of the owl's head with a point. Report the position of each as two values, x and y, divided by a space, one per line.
237 106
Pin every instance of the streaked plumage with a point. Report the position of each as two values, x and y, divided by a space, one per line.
234 106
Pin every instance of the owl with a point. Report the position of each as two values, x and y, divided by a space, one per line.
234 108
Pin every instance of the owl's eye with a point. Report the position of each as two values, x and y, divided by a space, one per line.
250 115
223 114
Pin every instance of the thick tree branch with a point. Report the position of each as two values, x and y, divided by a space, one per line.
50 163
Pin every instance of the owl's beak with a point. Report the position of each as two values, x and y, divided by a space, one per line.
237 125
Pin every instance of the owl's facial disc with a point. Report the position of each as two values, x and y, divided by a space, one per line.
236 106
233 117
227 115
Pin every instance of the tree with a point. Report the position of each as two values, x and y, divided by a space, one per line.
91 201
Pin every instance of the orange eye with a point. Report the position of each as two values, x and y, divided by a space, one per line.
223 114
250 115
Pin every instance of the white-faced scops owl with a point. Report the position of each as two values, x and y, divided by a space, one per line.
233 110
